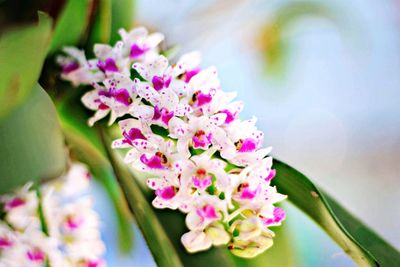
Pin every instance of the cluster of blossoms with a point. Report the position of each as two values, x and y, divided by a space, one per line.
183 129
53 225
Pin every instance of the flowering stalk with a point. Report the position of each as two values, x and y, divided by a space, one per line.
184 130
51 225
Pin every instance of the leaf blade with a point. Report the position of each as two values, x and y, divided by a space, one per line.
71 24
101 29
31 143
356 239
122 16
22 53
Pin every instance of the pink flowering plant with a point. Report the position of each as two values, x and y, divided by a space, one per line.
163 137
183 130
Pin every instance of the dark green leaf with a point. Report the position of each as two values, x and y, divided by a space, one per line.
22 53
31 143
71 24
122 16
101 29
361 243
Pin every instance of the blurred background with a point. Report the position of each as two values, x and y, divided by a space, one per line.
323 79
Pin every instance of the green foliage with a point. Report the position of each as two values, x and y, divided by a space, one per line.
22 53
31 143
71 25
361 243
101 30
122 16
111 15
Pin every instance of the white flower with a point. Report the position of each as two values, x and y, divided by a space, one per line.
250 238
79 228
117 97
154 155
63 232
198 133
195 241
138 45
214 234
111 59
77 69
75 181
222 104
171 191
183 71
21 208
7 237
205 210
201 170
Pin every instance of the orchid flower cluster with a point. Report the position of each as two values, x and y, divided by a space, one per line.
51 225
184 130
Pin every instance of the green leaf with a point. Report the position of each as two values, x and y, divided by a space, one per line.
156 238
72 24
101 29
361 243
122 16
22 53
31 143
85 144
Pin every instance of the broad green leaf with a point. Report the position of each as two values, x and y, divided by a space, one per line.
159 244
122 16
31 143
361 243
71 24
22 53
85 144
